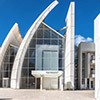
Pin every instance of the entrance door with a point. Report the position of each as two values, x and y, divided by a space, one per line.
91 84
87 83
38 83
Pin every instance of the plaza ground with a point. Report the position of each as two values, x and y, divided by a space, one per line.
31 94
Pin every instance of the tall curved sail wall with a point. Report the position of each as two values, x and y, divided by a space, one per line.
97 56
13 39
17 68
69 48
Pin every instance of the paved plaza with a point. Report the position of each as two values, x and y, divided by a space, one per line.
31 94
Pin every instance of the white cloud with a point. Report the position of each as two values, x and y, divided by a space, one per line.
89 39
79 38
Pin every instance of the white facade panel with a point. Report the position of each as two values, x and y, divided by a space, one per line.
50 83
97 56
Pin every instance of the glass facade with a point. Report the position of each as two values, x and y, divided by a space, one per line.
52 46
49 60
46 57
7 64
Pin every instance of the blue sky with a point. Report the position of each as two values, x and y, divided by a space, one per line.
24 12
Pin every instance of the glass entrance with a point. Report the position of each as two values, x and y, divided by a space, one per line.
38 83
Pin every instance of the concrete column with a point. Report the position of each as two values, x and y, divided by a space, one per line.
61 82
41 83
90 83
35 83
85 83
94 83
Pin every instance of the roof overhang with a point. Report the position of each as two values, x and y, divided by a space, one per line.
42 73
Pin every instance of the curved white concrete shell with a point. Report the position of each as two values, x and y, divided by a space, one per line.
17 67
13 39
97 56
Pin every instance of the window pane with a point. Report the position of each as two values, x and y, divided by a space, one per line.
40 33
46 33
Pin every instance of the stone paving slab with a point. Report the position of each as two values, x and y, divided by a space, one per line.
31 94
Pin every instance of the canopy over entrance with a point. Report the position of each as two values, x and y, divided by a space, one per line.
38 74
49 79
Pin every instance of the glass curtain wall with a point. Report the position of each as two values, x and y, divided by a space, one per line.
43 36
7 64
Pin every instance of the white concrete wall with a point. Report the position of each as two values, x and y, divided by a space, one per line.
69 48
50 83
97 56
